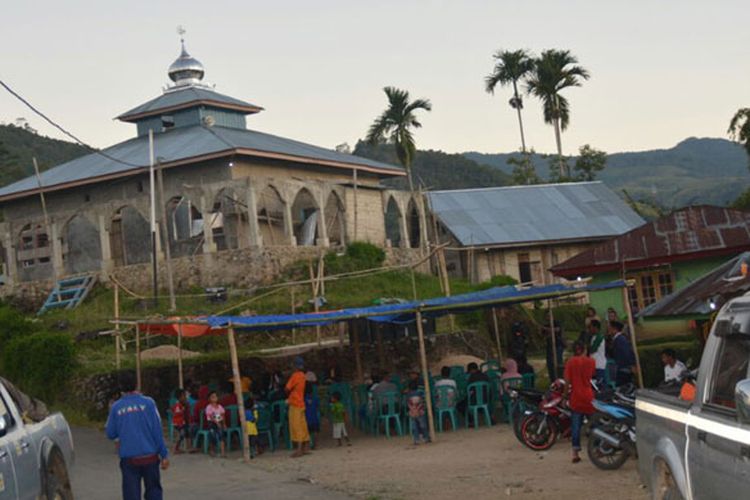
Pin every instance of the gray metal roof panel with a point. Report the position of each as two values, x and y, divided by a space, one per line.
180 144
526 214
184 96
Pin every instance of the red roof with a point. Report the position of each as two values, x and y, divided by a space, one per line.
688 233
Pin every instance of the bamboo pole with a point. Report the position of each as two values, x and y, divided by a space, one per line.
314 284
356 207
137 357
425 376
497 335
47 227
117 327
447 284
357 353
165 237
238 393
294 311
631 327
554 339
180 378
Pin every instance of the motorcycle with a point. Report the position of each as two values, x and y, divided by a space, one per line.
524 402
612 429
540 429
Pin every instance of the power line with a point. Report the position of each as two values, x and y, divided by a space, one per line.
61 129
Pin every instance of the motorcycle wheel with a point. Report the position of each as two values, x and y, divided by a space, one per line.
603 455
539 431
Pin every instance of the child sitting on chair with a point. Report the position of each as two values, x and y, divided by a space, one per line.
216 425
338 417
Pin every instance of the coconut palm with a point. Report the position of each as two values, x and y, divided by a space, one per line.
554 71
739 128
510 68
395 124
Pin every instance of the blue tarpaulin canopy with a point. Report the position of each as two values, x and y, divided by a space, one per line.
405 312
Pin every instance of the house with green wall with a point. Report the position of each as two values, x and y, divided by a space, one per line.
659 258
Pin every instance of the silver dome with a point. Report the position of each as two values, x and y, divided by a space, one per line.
186 69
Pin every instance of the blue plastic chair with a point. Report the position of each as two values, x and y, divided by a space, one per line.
387 405
234 426
446 398
478 394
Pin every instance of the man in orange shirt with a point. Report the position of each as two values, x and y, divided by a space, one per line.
295 390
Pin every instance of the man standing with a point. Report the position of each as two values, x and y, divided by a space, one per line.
295 390
135 422
622 351
598 351
578 373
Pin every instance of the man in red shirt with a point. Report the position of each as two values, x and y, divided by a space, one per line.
579 370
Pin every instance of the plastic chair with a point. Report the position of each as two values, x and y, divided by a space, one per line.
280 414
490 364
202 432
446 398
478 402
529 380
506 385
234 426
265 425
388 409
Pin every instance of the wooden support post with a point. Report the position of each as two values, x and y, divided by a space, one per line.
446 283
497 335
294 311
137 357
356 207
118 345
554 340
381 352
357 354
425 376
238 393
631 327
180 378
314 284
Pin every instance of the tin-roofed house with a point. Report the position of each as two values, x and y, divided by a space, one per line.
235 200
522 231
662 257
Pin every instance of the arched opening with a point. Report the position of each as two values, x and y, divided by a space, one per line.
305 215
412 224
129 237
184 227
81 247
228 220
393 223
335 220
271 217
33 253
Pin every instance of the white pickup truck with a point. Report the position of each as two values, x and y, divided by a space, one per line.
35 449
701 449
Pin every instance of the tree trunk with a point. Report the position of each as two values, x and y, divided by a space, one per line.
520 121
558 139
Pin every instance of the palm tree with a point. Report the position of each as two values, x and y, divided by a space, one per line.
395 124
510 68
554 71
739 128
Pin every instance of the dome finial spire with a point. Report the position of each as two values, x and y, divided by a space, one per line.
186 70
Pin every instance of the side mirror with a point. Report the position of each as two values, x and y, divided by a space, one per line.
742 401
3 425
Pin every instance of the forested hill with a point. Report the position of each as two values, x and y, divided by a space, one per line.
18 144
696 170
436 169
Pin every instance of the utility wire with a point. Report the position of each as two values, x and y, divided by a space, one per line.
61 129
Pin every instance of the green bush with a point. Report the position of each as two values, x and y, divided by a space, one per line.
41 364
653 370
500 280
13 324
358 256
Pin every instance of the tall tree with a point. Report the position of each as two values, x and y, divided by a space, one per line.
739 128
590 162
510 68
554 71
395 124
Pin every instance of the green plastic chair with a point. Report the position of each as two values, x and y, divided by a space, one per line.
234 426
280 419
490 364
388 408
201 433
529 380
608 371
446 398
265 425
478 394
506 385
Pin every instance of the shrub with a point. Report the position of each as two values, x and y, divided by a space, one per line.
359 255
13 324
500 280
41 364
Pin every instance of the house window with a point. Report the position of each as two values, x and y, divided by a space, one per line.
524 268
649 287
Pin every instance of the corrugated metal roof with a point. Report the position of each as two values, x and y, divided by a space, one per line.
533 214
682 235
175 99
180 145
721 284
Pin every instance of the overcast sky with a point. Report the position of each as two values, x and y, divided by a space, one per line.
661 70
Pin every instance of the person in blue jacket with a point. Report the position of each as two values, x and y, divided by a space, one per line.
135 422
622 352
